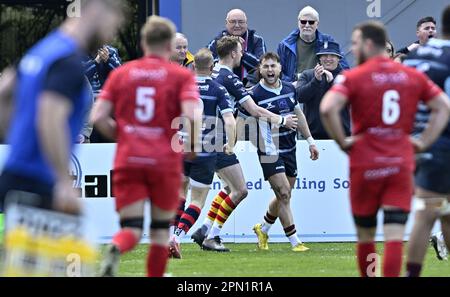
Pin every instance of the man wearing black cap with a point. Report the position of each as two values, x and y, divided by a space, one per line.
314 83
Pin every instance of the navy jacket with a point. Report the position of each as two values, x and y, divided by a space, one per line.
98 73
256 47
287 50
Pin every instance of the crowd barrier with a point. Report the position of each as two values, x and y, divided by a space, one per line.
319 202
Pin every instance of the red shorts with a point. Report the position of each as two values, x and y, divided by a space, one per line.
134 184
370 189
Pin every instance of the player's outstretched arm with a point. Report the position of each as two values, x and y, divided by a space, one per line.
303 128
289 121
330 108
439 117
230 130
102 120
7 82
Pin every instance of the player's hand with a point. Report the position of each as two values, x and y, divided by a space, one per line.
419 146
65 197
314 152
348 143
242 41
291 122
413 46
227 149
104 54
318 72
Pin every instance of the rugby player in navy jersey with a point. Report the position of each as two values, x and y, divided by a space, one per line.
277 149
433 167
200 171
229 50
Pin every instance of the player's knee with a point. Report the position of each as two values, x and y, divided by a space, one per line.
158 225
135 224
283 194
365 221
397 216
159 231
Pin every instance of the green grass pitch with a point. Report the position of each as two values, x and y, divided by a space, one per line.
245 260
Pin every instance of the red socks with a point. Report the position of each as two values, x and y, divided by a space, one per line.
157 260
392 262
125 240
365 259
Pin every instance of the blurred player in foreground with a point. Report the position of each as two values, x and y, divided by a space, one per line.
381 150
49 103
146 97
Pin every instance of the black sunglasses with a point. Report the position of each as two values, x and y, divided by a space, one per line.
303 22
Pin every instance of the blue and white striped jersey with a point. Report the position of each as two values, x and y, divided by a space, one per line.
434 60
276 140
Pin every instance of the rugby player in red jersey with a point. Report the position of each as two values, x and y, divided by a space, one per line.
383 97
145 96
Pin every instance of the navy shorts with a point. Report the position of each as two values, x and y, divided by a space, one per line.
224 160
433 171
201 170
284 163
24 190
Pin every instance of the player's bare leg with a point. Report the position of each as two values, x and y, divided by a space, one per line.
234 178
280 207
430 207
188 218
159 237
131 222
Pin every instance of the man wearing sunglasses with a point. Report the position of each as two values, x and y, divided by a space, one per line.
253 45
298 50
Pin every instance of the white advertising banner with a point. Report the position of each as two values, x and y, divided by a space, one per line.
319 202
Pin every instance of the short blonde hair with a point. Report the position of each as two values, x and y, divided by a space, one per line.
203 59
158 31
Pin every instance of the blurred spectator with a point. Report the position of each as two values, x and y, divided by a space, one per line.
86 130
97 67
426 29
314 83
182 54
298 50
253 45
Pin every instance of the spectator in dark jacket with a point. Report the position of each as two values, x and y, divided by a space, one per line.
426 29
298 50
253 45
314 83
97 67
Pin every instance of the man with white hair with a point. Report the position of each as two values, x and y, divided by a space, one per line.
253 45
182 54
298 50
